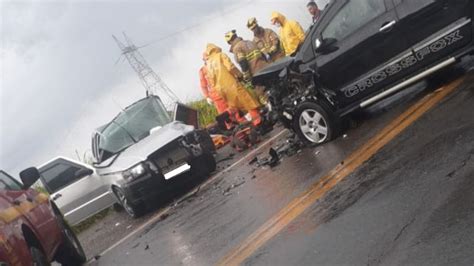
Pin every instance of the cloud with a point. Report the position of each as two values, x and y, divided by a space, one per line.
25 25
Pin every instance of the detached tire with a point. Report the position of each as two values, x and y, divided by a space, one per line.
70 252
134 210
315 123
38 257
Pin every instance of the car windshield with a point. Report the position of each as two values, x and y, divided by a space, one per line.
131 125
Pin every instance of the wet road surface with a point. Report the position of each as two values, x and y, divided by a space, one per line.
410 203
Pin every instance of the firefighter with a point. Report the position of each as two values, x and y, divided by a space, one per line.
250 59
266 40
246 53
223 76
211 95
291 33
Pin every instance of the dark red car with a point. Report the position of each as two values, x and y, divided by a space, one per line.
32 230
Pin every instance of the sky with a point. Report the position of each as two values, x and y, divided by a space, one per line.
61 74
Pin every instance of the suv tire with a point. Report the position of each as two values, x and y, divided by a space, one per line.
315 123
70 252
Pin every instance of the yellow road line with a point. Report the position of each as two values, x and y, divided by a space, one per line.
297 206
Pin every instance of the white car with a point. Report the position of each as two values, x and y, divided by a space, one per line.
137 157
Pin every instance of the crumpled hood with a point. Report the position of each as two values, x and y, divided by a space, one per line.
271 71
145 147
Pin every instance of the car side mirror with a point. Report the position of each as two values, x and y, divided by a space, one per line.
83 172
29 176
325 46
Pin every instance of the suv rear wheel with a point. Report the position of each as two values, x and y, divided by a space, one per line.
315 123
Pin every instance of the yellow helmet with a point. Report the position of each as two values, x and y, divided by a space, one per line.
252 23
230 35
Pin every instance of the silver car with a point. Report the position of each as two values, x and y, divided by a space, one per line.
76 188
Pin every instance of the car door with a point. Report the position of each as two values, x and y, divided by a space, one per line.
78 196
186 114
368 39
435 28
33 207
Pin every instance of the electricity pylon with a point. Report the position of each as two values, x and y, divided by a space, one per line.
152 82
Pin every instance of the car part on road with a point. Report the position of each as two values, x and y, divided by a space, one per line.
291 146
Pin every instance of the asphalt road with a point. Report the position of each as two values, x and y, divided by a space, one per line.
396 189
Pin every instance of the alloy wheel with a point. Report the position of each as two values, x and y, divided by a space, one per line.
313 126
123 200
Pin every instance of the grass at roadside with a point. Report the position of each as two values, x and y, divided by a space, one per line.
207 112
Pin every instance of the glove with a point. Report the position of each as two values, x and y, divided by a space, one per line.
209 101
247 77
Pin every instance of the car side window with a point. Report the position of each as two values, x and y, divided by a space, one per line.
352 16
59 175
8 183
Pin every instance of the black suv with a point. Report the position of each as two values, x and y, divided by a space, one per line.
360 52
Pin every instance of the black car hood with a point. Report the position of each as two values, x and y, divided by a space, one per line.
271 71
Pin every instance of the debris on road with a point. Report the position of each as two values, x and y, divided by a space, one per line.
229 188
254 160
289 148
229 157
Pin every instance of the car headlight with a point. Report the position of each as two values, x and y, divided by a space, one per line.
134 172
